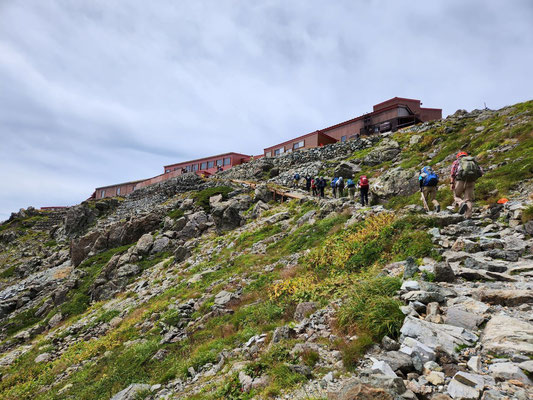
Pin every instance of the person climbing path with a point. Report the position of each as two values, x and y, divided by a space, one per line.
465 172
428 181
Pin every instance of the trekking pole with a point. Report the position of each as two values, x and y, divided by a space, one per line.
424 201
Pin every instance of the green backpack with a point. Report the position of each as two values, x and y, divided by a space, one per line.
469 170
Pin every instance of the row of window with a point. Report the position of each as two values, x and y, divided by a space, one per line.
102 192
204 165
281 150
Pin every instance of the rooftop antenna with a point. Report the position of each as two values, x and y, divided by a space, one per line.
485 104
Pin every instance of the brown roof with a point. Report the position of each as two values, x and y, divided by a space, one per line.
206 158
120 184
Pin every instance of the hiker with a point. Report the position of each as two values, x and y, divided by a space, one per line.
465 172
314 187
363 186
333 185
321 186
308 183
428 181
350 184
340 186
296 180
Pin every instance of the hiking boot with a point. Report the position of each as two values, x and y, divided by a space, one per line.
437 209
463 208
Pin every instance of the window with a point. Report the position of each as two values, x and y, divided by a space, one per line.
188 168
102 193
279 151
343 139
268 154
210 164
204 165
298 145
227 161
167 171
219 163
118 191
195 167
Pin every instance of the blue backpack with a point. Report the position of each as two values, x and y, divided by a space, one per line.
297 176
334 182
350 183
429 177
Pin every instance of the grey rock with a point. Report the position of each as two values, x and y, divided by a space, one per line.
347 170
424 297
181 254
457 317
444 273
281 333
144 244
443 336
55 320
395 182
466 386
474 363
509 298
504 335
44 357
527 366
389 344
262 193
408 286
131 392
384 368
398 361
224 297
386 151
410 268
507 371
303 310
160 244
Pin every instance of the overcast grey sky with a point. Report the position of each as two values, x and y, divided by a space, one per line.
96 92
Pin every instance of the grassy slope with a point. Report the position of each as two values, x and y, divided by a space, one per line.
342 263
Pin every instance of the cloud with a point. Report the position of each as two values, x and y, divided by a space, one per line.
97 92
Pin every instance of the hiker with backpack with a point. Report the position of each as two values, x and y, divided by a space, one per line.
465 173
340 186
296 180
308 183
333 185
314 186
428 181
364 187
351 188
321 186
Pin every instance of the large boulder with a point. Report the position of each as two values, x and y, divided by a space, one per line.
347 170
132 392
368 386
78 218
118 234
228 214
437 336
395 182
262 193
504 335
386 151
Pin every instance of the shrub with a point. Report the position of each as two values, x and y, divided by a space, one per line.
202 197
353 351
527 214
176 213
310 357
414 244
8 272
372 309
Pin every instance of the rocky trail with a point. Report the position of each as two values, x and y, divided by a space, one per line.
216 289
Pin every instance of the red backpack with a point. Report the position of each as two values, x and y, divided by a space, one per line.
363 181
